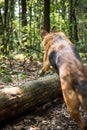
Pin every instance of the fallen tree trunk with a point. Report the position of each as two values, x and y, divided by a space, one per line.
16 100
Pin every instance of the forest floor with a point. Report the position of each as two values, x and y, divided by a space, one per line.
50 116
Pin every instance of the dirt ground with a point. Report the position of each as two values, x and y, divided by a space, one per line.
50 116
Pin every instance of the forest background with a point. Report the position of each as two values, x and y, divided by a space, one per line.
20 22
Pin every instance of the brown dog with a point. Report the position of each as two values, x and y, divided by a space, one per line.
62 55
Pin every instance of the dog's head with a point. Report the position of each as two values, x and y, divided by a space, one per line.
47 38
54 37
43 31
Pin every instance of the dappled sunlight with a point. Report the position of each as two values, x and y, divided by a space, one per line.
19 56
12 91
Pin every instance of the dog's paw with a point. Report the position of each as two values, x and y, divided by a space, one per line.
41 73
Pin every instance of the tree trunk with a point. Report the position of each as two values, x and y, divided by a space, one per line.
75 23
71 19
73 32
24 10
47 14
16 100
5 31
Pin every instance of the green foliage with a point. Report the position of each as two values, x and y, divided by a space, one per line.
26 39
21 76
7 79
4 73
1 3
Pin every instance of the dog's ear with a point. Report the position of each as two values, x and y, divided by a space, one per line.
43 32
54 29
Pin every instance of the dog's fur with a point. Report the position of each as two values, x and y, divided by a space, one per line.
62 55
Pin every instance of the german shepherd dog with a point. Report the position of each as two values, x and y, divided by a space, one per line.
61 54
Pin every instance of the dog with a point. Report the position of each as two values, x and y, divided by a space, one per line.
61 54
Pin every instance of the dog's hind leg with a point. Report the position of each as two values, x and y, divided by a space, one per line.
72 103
76 115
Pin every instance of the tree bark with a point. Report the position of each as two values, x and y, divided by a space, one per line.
47 14
24 10
73 31
14 101
5 29
71 20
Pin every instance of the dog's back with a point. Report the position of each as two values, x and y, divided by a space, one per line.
62 51
67 62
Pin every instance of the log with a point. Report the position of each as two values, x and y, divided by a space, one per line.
14 101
